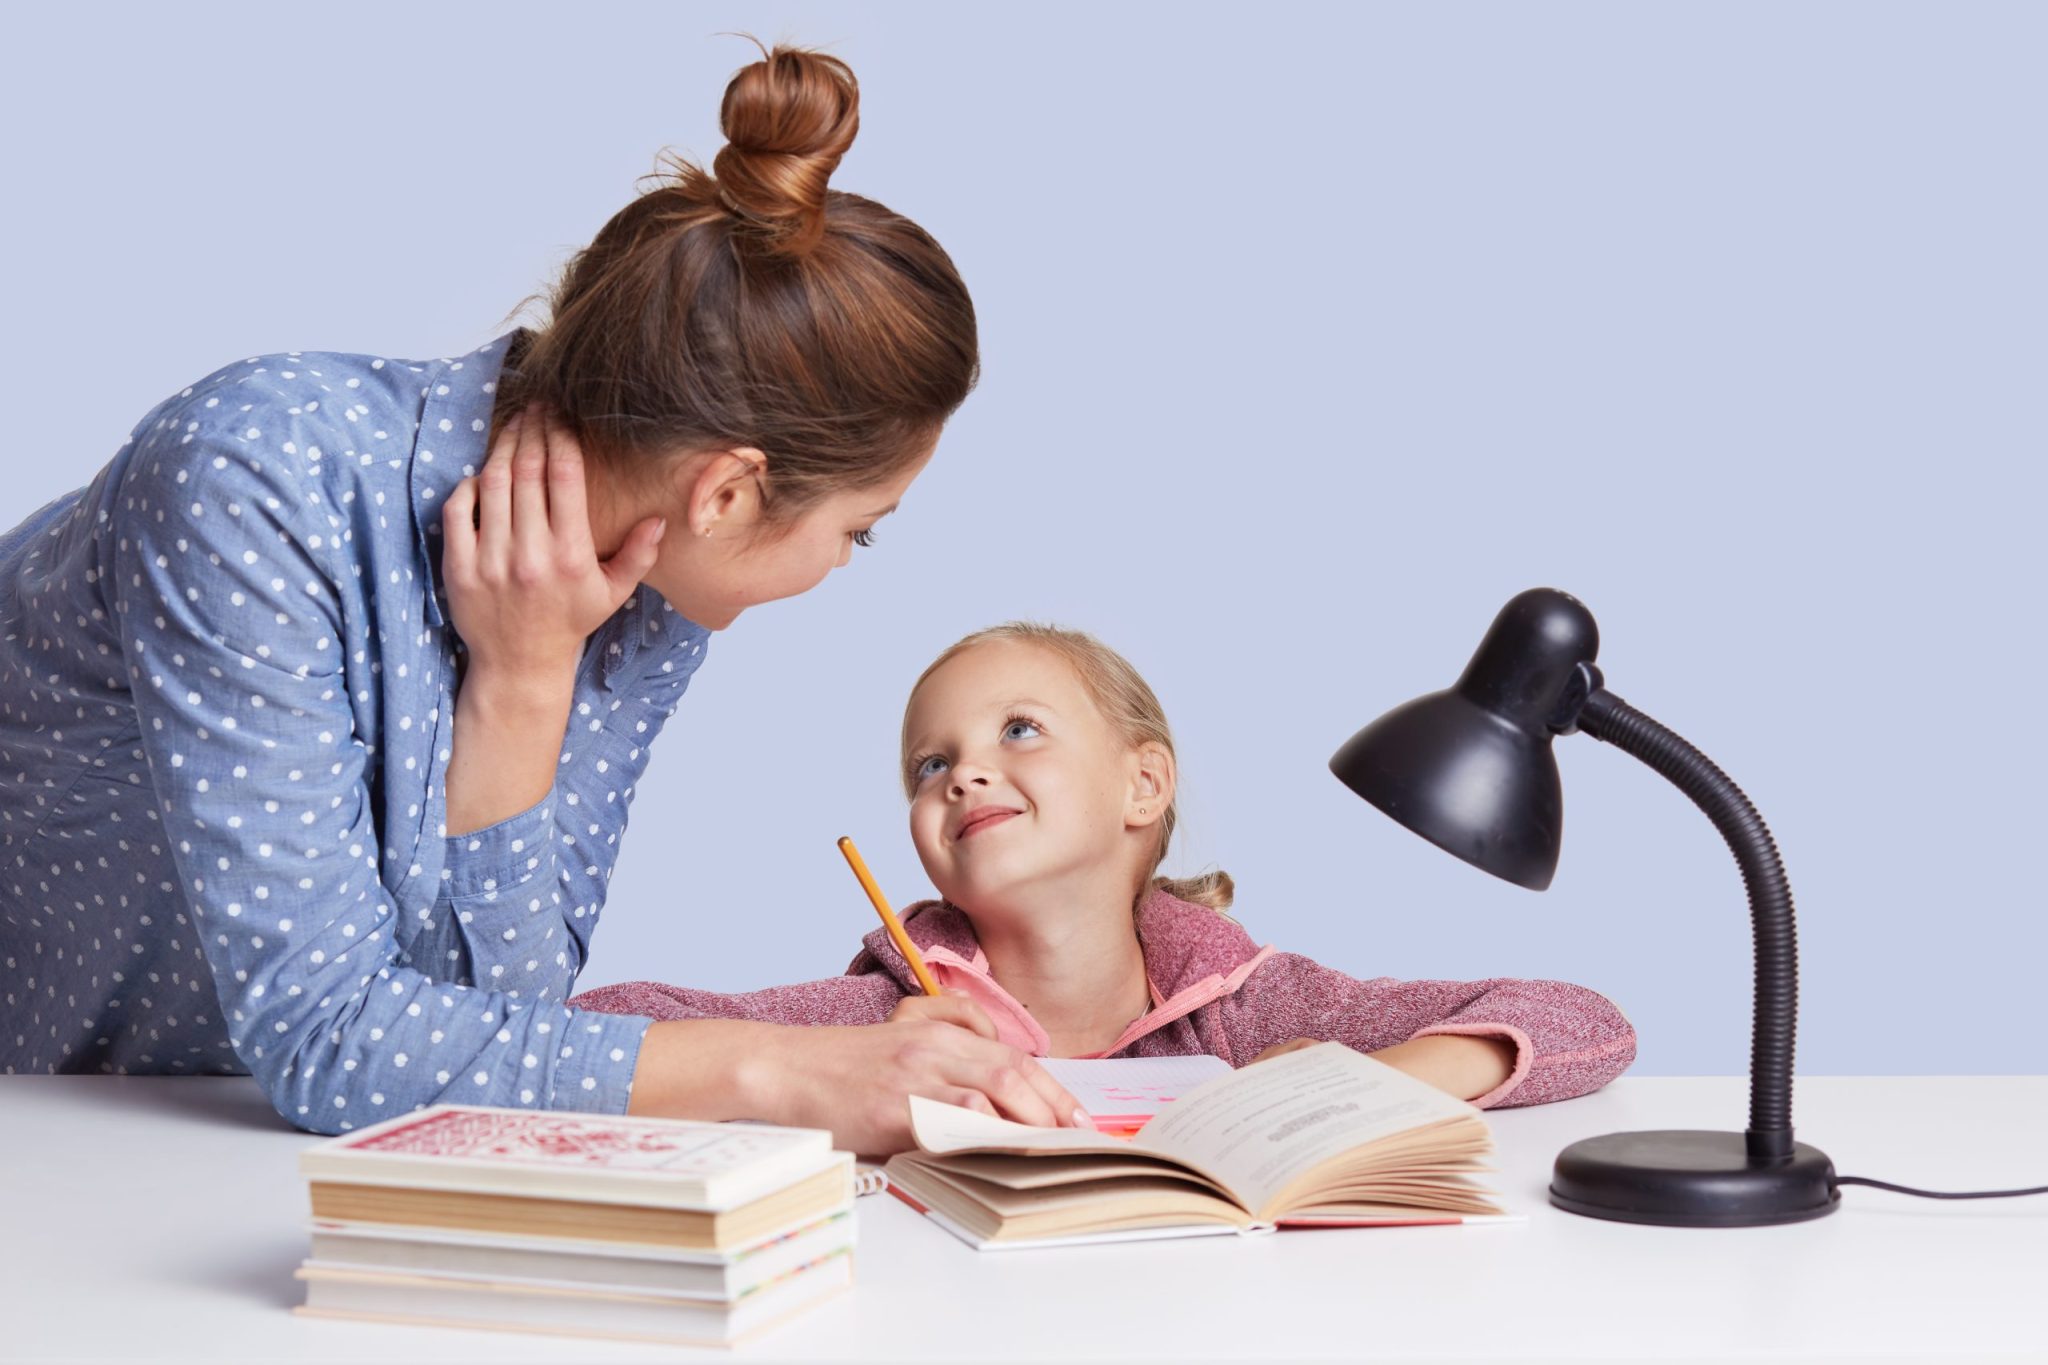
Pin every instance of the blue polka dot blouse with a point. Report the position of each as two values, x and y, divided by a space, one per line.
226 704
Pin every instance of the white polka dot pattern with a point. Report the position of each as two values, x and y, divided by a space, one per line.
225 710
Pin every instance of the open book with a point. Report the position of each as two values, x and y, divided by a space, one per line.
1320 1137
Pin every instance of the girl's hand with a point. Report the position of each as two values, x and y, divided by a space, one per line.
857 1081
1278 1048
525 586
953 1007
1462 1065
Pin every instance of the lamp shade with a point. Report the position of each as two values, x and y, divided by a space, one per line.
1470 768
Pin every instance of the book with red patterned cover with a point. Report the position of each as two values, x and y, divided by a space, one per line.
600 1158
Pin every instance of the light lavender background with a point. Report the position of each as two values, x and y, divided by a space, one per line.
1312 335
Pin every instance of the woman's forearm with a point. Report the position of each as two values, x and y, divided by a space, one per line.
508 740
700 1069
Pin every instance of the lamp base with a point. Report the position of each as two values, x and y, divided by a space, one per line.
1691 1178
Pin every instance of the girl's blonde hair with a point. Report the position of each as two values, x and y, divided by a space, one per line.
1125 701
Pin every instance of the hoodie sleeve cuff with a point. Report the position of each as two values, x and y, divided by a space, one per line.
1525 1053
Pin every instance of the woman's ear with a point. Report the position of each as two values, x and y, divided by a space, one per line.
723 491
1152 782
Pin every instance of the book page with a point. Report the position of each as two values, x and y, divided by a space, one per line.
942 1127
1259 1128
1057 1168
1125 1092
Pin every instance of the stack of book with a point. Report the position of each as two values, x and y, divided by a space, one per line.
649 1229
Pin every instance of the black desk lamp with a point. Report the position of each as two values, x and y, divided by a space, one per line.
1470 769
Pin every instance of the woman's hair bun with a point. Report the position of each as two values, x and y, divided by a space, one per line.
788 119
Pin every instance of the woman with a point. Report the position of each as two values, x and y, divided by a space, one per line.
235 667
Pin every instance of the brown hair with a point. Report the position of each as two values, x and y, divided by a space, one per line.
1133 712
754 307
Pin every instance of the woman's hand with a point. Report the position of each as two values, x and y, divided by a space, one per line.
857 1080
525 585
525 590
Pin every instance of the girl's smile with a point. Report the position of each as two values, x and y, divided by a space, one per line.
983 817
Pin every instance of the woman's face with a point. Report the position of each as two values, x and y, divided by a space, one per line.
1018 779
712 578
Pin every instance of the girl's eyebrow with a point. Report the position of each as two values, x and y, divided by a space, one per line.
922 742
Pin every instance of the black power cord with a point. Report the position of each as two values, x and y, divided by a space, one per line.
1936 1194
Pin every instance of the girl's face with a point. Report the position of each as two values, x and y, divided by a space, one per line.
1018 781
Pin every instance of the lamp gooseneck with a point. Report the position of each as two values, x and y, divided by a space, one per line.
1607 717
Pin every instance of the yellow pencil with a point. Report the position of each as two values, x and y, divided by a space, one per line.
894 925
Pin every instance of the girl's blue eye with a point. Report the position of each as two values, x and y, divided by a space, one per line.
924 766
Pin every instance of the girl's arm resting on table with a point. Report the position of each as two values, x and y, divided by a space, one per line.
1470 1067
268 816
869 998
1565 1040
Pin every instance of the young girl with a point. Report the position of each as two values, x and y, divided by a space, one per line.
1041 777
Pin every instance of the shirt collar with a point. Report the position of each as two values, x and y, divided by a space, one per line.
450 445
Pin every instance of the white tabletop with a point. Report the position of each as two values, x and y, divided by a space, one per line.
160 1219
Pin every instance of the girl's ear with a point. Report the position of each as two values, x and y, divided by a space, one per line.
1152 782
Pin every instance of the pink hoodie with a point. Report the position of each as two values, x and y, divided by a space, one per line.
1213 990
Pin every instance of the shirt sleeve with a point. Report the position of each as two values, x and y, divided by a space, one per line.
1568 1040
605 751
519 906
226 595
498 920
